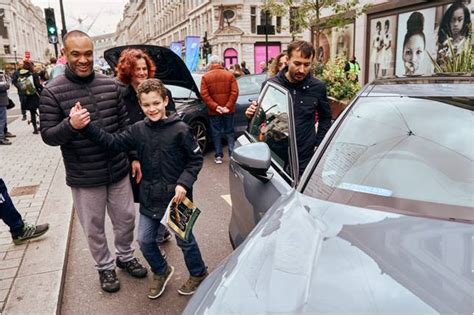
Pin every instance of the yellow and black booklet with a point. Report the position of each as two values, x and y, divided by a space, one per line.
181 218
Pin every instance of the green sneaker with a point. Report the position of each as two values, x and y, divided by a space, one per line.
158 283
191 284
30 231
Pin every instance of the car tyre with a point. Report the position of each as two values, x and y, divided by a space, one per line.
200 133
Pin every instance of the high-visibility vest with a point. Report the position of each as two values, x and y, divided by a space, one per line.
354 68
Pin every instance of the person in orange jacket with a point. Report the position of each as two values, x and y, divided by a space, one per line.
219 90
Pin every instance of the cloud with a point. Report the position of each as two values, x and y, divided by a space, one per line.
97 17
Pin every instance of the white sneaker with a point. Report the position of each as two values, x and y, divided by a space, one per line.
218 160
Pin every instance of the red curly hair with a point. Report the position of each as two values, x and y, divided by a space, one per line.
128 61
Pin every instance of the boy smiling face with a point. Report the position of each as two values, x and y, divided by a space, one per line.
153 105
153 99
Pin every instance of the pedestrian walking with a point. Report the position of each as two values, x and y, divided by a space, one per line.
21 94
98 179
20 230
134 67
219 90
243 66
309 98
4 99
171 160
4 86
29 84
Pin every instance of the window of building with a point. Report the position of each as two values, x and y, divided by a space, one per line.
253 20
294 26
265 18
278 24
7 49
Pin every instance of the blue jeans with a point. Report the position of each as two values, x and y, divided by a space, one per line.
222 125
147 231
3 121
8 212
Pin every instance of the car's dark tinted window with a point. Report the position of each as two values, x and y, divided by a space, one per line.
406 154
270 124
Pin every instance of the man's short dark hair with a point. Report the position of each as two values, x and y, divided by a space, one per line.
74 33
152 85
53 60
306 48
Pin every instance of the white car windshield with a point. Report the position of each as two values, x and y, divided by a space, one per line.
403 154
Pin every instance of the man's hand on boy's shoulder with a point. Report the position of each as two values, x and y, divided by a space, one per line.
79 117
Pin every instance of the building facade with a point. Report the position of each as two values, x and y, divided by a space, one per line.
23 33
379 38
230 27
102 43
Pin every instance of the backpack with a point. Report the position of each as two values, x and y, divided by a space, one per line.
26 84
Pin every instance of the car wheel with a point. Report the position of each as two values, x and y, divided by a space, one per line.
200 132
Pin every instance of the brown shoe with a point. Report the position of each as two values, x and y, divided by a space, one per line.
158 283
191 284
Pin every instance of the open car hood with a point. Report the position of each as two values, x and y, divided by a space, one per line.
169 67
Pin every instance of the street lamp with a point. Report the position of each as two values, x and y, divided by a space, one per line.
14 53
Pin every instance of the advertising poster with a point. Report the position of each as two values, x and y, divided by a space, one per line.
177 47
192 52
324 51
342 41
453 21
415 34
382 47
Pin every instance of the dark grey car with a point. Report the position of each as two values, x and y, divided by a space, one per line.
382 220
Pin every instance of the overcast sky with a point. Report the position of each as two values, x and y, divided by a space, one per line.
98 16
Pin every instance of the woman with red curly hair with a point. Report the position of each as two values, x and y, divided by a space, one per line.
134 67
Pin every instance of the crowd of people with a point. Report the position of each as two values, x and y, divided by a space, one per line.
123 143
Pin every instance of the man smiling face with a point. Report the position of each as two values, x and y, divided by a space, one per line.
79 52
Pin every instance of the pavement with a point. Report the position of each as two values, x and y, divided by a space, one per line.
32 274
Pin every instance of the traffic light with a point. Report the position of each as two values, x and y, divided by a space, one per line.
51 26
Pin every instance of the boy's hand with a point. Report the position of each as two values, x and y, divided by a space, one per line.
250 111
136 171
79 117
180 194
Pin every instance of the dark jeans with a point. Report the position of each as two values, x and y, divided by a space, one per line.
222 125
147 231
3 121
22 104
8 212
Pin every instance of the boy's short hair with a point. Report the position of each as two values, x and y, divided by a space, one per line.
152 85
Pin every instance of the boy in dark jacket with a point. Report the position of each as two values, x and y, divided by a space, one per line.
171 160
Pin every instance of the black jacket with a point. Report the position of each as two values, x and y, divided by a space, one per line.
135 114
309 97
87 164
168 154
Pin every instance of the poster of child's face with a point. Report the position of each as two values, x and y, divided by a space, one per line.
323 52
382 47
342 41
453 21
415 42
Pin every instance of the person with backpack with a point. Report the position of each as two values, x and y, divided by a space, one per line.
21 96
29 84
